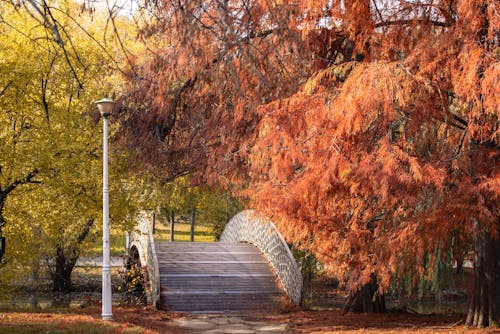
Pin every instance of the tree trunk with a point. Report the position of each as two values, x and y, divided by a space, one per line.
193 219
154 222
172 225
485 302
366 299
61 275
65 260
460 265
2 238
2 244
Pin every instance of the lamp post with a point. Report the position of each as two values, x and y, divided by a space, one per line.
105 106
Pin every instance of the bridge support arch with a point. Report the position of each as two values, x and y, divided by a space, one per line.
248 226
142 247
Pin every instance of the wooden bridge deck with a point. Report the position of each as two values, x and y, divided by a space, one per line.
216 277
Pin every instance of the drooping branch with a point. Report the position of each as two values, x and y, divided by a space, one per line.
163 130
111 17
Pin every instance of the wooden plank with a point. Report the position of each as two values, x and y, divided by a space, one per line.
220 267
168 275
204 247
216 277
218 293
191 262
210 257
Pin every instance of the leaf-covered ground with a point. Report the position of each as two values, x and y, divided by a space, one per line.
136 319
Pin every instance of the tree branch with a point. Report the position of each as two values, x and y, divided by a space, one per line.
405 22
162 131
45 82
85 231
27 179
5 88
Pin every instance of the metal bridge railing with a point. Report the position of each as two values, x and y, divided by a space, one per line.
249 226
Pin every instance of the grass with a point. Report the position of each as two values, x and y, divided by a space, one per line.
116 244
202 233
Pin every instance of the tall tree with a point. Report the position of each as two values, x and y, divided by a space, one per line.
50 156
361 127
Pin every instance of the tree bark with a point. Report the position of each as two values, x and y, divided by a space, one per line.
65 261
485 301
172 226
366 299
154 222
193 219
2 244
61 276
2 238
4 192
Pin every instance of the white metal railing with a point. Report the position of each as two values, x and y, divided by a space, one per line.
249 226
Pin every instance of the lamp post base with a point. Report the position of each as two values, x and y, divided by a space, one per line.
107 301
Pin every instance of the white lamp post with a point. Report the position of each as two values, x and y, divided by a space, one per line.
105 106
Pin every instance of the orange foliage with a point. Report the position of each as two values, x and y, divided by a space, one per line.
367 130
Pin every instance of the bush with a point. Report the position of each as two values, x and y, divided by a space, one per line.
132 284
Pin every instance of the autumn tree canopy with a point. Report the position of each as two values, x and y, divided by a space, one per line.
367 130
51 145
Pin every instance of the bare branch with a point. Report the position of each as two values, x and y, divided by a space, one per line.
405 22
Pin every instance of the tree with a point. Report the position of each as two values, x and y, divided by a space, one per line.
361 127
192 100
389 151
214 205
49 138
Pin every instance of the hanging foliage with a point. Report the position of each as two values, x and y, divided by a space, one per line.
368 127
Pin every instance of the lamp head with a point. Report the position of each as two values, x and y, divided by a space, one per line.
105 106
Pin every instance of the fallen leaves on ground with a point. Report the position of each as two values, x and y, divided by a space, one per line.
333 321
138 319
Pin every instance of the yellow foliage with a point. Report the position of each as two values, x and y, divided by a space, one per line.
47 128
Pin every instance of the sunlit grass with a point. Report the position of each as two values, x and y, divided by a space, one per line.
116 245
202 233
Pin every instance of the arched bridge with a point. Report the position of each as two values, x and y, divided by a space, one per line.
250 268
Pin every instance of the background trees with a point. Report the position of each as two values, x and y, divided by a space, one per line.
212 206
368 130
51 145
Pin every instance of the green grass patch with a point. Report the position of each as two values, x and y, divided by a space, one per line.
202 233
116 244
